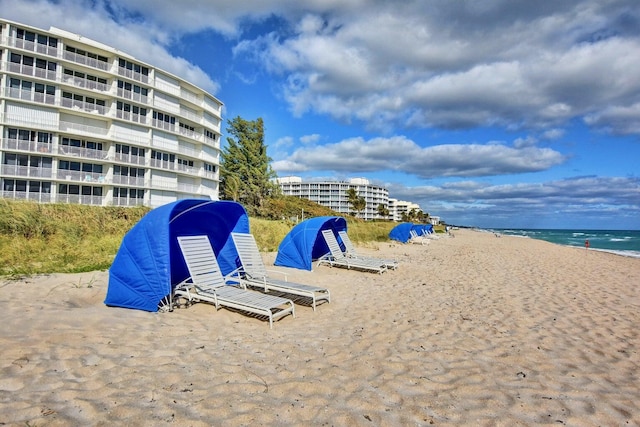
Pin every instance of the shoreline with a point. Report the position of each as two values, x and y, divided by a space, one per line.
470 330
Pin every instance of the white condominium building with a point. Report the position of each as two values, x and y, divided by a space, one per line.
81 122
398 209
333 194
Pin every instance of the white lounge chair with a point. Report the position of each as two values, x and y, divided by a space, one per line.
254 273
206 283
350 251
415 238
335 257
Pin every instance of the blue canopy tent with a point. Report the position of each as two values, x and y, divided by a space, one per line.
305 244
401 232
149 263
422 229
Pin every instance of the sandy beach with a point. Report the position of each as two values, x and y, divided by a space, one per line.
471 330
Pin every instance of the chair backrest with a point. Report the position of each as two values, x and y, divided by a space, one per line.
414 234
201 261
348 245
332 242
249 253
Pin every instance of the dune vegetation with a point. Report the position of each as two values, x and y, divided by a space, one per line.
49 238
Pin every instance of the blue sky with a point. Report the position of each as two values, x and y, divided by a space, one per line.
496 113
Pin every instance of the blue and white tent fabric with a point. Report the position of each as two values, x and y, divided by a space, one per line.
402 231
305 244
149 263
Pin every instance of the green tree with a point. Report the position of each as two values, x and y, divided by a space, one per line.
358 203
245 170
383 211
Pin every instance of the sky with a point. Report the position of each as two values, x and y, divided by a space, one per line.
487 113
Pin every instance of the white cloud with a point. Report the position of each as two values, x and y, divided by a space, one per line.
403 155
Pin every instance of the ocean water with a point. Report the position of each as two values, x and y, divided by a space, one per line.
621 242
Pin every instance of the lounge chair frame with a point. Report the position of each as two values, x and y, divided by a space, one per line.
254 273
336 258
206 283
350 251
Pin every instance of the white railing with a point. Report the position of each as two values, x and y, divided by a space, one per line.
79 199
126 201
84 106
30 95
89 153
128 180
86 83
80 176
85 60
133 75
33 46
134 96
161 124
162 164
129 158
23 195
128 115
26 171
30 70
22 145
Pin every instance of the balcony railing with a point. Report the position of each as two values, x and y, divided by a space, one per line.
126 201
85 60
162 164
76 127
84 106
89 153
24 195
86 83
133 75
80 176
136 181
29 70
79 199
134 96
33 46
128 115
30 95
26 171
164 125
22 145
129 158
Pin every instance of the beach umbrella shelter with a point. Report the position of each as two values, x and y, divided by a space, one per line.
149 263
422 228
401 232
305 244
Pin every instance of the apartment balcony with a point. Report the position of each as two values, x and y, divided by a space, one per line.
186 169
80 199
84 106
26 195
133 75
160 124
31 71
132 117
130 158
133 181
85 83
30 95
86 153
133 96
86 60
33 46
190 134
25 171
162 164
80 176
28 146
126 201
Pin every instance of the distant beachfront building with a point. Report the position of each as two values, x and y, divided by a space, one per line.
333 194
82 122
398 209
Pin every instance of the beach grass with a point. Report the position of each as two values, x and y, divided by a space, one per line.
61 238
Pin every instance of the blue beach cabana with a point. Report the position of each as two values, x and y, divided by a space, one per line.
401 232
305 244
149 263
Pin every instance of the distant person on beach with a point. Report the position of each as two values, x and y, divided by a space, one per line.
586 244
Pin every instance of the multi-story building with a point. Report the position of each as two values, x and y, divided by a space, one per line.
81 122
334 194
398 209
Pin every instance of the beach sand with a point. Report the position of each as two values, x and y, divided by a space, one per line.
471 330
